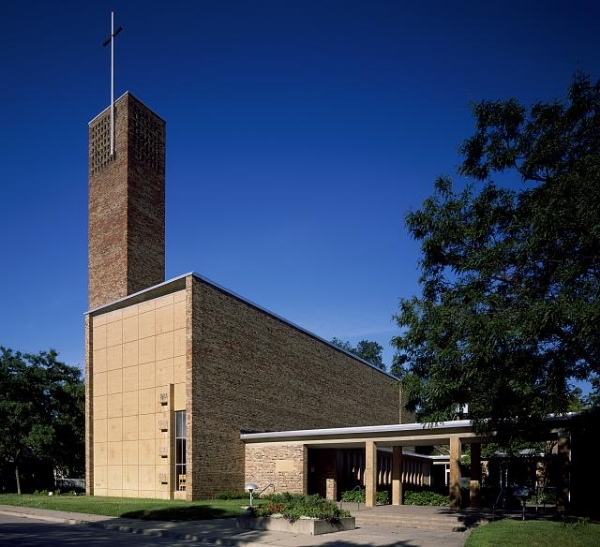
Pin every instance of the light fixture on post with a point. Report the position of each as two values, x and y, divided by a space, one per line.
251 488
522 492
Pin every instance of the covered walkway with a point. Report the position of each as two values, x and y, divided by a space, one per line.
274 447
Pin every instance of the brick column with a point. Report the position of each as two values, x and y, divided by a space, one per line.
397 476
331 488
475 483
455 453
370 474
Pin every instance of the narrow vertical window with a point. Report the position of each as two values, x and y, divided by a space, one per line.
180 441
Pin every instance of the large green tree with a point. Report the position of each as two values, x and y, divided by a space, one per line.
368 350
41 410
508 316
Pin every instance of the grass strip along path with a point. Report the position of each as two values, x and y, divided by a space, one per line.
145 509
535 533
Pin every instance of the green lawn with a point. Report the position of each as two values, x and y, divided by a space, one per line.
502 533
539 533
131 508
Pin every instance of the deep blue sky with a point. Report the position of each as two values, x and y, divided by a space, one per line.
299 133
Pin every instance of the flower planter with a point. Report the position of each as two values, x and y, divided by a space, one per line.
308 527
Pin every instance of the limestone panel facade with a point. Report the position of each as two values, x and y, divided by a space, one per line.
137 380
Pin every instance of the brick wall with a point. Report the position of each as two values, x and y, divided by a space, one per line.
253 372
126 202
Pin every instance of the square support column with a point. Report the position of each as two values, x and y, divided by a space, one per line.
397 497
305 469
331 488
455 474
370 474
564 460
475 483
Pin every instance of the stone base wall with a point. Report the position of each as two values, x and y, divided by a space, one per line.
282 466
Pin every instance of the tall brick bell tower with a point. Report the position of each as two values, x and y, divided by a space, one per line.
126 203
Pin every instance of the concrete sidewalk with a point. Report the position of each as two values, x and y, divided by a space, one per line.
225 532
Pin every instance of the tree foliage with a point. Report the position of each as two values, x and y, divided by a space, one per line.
42 410
509 311
370 351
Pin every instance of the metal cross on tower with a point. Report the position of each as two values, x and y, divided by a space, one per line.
111 40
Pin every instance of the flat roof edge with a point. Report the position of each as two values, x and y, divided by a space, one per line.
291 324
135 295
368 430
450 427
237 296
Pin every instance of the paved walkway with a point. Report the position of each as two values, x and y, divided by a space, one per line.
225 532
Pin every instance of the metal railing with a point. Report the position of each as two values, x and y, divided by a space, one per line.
501 495
268 486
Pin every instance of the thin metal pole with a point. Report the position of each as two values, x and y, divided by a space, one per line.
112 83
111 40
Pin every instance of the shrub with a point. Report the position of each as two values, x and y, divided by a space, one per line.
382 497
282 497
354 496
295 506
425 497
547 498
358 496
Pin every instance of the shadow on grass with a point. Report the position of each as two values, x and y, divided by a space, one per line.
194 512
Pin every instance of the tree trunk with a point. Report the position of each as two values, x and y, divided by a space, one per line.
18 480
17 472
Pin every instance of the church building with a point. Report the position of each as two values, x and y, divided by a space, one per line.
179 372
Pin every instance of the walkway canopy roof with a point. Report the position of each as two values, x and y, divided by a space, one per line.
412 434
